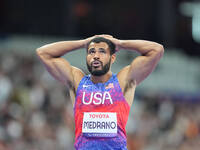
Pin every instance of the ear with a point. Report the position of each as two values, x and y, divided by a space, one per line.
113 57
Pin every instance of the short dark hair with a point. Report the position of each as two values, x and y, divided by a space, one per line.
111 45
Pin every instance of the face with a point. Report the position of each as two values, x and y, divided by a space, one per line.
99 58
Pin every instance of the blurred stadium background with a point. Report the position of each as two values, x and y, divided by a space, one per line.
35 110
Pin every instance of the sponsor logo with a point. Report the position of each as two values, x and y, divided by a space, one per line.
84 86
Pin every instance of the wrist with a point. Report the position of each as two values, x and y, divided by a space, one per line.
82 43
121 43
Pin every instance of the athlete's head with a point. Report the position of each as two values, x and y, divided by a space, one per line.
100 56
110 44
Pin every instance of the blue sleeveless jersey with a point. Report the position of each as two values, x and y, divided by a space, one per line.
100 113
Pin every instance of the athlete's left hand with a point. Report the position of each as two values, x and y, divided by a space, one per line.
116 41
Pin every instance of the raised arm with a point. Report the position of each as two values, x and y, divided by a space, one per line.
59 68
143 65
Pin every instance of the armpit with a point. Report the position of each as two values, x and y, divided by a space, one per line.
129 85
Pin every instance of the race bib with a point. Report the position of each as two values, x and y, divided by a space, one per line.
99 124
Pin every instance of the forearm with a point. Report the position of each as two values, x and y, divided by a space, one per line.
58 49
141 46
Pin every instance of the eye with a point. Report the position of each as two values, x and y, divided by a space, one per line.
91 51
102 51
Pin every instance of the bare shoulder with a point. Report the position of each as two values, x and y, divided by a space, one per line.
78 74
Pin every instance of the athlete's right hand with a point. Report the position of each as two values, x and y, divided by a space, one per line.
87 40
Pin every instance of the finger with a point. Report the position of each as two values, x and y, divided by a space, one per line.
107 35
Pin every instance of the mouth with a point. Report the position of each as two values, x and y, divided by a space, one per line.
96 63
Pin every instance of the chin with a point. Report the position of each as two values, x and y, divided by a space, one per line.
97 69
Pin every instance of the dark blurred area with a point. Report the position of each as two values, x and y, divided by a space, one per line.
159 20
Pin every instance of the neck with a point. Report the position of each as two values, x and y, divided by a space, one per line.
101 79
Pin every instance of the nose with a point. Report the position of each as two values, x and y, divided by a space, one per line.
96 55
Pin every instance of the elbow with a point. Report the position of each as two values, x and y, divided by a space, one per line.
159 50
41 54
39 51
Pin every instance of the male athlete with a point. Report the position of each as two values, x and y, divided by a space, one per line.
102 99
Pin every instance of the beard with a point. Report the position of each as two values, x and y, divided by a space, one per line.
101 72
